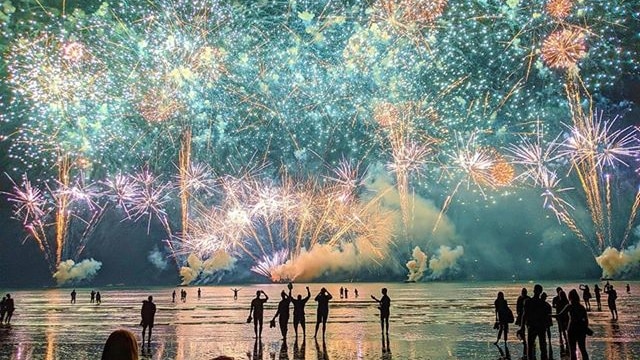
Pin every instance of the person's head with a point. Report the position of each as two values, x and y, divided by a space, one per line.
558 290
500 295
537 289
543 296
610 288
258 293
524 291
299 297
150 298
323 290
384 291
563 296
283 295
574 298
8 296
121 345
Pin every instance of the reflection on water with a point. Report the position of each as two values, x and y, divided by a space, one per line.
428 321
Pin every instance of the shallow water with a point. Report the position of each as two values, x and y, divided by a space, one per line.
428 321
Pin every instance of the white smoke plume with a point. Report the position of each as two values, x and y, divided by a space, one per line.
424 213
417 265
445 262
325 259
158 259
197 269
619 263
69 272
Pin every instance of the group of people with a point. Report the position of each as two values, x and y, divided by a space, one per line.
95 297
344 293
7 307
534 317
183 295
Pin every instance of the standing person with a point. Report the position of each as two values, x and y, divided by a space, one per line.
612 295
559 302
199 293
341 292
257 312
346 293
11 307
298 313
3 309
173 296
235 293
148 314
549 320
586 296
504 316
355 291
323 310
606 286
283 312
93 296
98 298
596 291
519 311
534 317
384 306
73 296
578 325
628 289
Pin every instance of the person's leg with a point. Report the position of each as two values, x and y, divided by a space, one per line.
505 330
255 326
295 325
260 327
318 321
572 347
531 341
542 338
386 321
144 330
304 331
149 339
499 334
324 324
583 347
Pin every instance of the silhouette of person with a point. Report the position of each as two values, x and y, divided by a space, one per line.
355 292
606 286
173 296
121 345
519 311
559 302
503 316
323 310
586 296
257 311
93 296
199 293
596 291
98 298
504 355
11 307
148 314
549 319
235 293
341 292
73 296
283 312
384 304
298 313
628 289
3 309
612 295
346 293
578 325
534 317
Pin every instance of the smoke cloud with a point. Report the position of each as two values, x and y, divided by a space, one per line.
619 263
446 262
69 272
417 265
157 258
198 270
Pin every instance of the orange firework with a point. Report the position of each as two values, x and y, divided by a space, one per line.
502 173
158 106
413 11
386 114
564 48
559 9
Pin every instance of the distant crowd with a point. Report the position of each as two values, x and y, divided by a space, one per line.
534 317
